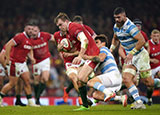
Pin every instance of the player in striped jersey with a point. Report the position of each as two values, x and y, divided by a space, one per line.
137 58
110 80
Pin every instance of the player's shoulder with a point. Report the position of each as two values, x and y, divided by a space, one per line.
129 24
73 25
19 35
56 34
44 33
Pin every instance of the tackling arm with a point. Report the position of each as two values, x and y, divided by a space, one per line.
115 43
98 58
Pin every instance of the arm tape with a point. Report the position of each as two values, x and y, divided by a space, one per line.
82 37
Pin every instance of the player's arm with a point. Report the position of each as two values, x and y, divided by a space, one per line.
121 52
115 42
141 41
94 35
98 58
67 54
84 43
2 57
8 47
52 39
31 56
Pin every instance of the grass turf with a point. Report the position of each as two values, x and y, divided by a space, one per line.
68 110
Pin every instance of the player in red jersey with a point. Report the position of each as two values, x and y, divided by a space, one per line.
154 52
71 69
3 73
138 23
85 44
16 62
42 55
78 19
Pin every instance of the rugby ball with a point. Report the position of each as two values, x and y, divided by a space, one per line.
67 45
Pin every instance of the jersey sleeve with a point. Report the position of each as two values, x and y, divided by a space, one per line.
89 29
133 30
47 35
145 36
75 29
17 39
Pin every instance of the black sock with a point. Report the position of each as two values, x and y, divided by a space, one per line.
29 96
18 98
83 93
149 93
123 87
41 89
2 95
69 87
36 88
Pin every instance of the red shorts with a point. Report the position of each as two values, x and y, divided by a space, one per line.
16 69
92 64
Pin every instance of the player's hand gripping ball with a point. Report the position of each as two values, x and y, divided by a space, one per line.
67 45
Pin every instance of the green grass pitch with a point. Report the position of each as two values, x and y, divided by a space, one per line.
68 110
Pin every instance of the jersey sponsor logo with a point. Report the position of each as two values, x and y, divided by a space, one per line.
155 54
27 47
39 46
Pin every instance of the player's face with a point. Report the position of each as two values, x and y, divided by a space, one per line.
120 19
98 43
155 37
35 32
62 25
139 26
28 29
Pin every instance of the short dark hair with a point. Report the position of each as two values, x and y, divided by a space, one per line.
102 38
119 10
77 18
63 16
137 21
32 22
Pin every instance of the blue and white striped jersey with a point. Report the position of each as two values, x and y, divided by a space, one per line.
125 35
109 63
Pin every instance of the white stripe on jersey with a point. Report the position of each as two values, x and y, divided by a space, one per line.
109 63
126 35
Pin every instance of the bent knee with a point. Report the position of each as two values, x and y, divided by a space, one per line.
90 83
148 81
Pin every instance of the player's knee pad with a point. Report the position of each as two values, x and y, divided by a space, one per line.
130 70
71 70
145 74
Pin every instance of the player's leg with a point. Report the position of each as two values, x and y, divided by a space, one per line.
12 82
27 87
1 82
42 85
66 91
129 72
83 77
41 69
149 95
71 71
36 85
18 90
104 81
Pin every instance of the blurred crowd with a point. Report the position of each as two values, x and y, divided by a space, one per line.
97 14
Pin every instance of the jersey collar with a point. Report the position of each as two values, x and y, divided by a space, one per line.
25 34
